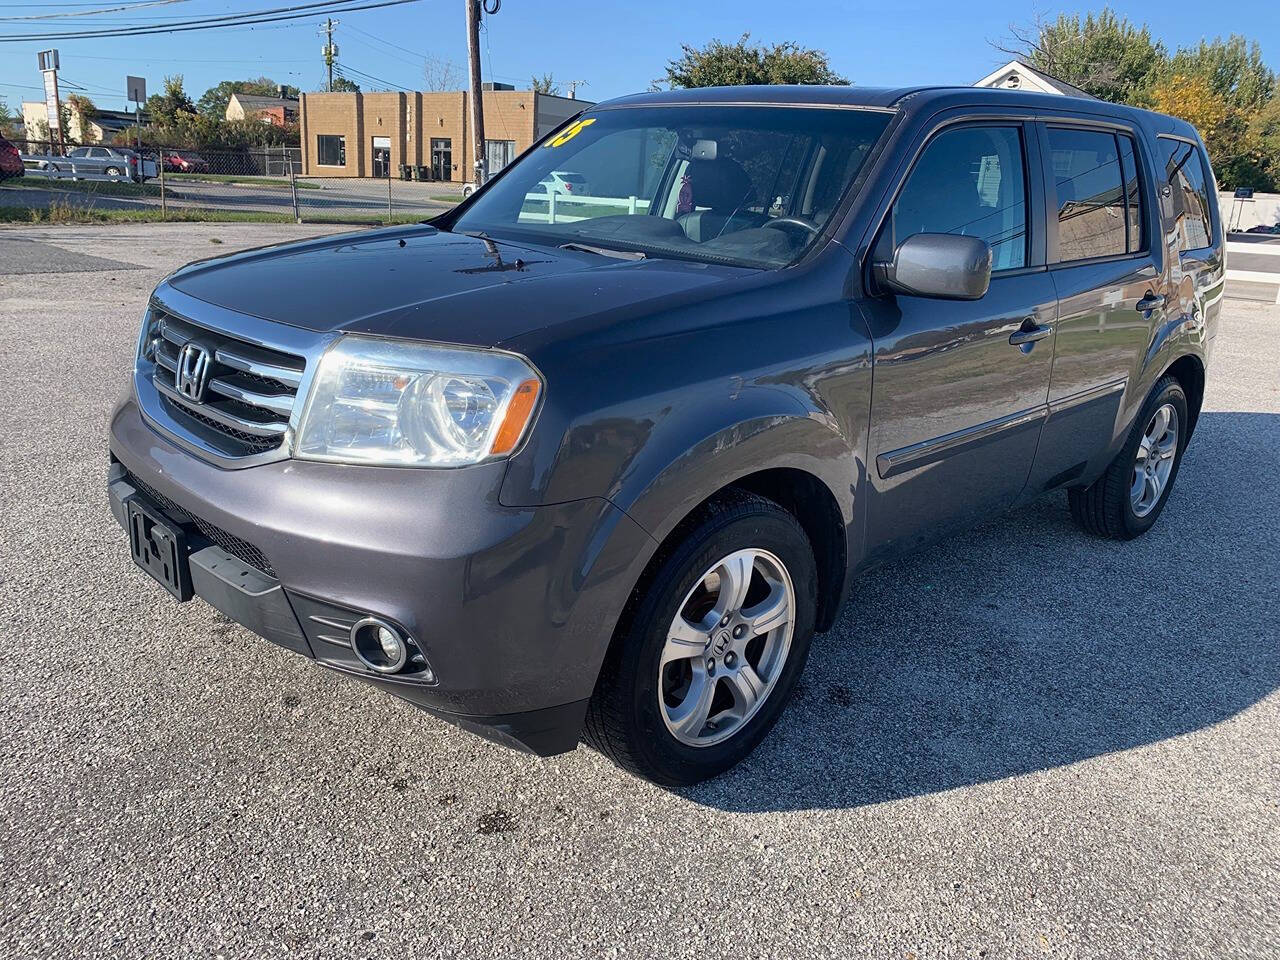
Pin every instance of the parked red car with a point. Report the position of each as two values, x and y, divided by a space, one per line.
10 160
185 163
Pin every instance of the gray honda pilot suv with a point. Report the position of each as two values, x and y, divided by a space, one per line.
599 464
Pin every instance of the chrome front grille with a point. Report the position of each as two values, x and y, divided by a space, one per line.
236 395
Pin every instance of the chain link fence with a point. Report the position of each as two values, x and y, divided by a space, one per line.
257 183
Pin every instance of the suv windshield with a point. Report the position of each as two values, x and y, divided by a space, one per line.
749 186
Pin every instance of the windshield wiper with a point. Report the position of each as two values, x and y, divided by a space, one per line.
605 251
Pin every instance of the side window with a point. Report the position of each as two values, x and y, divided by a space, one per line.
969 181
1085 165
1132 194
1185 172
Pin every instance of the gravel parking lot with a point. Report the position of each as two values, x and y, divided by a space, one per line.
1021 742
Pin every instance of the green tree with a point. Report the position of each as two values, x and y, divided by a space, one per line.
213 102
731 64
545 84
8 120
1233 68
342 85
1226 91
166 109
1103 54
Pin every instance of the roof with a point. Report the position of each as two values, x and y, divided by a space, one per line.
911 100
815 94
116 120
999 78
253 101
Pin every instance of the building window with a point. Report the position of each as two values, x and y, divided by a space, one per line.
331 150
498 153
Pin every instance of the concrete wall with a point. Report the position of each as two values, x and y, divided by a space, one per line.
1239 215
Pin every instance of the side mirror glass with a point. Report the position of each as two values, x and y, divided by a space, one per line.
944 266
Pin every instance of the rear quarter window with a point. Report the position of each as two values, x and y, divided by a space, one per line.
1187 174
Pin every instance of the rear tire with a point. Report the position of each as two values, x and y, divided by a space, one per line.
112 171
701 668
1127 499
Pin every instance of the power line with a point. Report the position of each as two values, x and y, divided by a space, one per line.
343 70
126 8
233 20
146 59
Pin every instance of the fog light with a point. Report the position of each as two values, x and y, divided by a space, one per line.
391 646
379 645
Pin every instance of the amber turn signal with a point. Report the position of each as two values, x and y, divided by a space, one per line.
519 410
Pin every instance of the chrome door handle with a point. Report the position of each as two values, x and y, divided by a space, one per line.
1029 332
1152 301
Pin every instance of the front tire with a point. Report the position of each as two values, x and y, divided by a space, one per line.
1128 498
710 649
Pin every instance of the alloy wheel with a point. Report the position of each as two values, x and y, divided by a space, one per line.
1153 464
726 647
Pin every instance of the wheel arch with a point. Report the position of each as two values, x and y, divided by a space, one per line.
1188 370
804 495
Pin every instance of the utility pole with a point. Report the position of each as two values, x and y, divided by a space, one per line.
330 52
477 105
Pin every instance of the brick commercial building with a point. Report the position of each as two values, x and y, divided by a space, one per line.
373 134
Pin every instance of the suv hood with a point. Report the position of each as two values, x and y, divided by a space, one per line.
422 283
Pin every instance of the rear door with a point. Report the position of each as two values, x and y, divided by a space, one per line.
960 387
1108 274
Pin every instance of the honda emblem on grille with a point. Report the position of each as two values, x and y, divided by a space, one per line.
193 370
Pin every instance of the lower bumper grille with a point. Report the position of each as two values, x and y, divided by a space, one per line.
242 550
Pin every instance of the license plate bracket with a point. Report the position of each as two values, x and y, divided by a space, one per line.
159 547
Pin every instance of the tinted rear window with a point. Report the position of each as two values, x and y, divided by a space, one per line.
1186 173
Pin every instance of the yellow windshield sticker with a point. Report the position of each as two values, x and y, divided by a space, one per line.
573 130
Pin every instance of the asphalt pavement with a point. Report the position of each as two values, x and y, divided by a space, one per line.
1019 742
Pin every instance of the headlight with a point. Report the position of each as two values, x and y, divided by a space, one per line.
397 403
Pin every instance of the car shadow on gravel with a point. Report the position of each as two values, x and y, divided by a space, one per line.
1025 644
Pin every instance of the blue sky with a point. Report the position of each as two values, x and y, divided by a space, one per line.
616 48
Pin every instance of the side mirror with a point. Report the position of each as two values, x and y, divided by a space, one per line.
944 266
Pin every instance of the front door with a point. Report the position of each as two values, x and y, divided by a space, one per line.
959 388
382 156
441 158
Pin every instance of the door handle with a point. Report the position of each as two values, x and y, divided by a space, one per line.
1029 333
1152 301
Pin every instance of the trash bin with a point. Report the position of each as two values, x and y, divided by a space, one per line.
424 173
406 172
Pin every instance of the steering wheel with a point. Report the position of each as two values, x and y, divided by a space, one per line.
786 222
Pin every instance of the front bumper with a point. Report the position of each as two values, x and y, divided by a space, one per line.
513 608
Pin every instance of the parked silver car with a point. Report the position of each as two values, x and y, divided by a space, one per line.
116 163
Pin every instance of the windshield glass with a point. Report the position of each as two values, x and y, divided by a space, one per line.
748 186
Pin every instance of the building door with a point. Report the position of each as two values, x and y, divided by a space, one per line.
382 156
441 158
